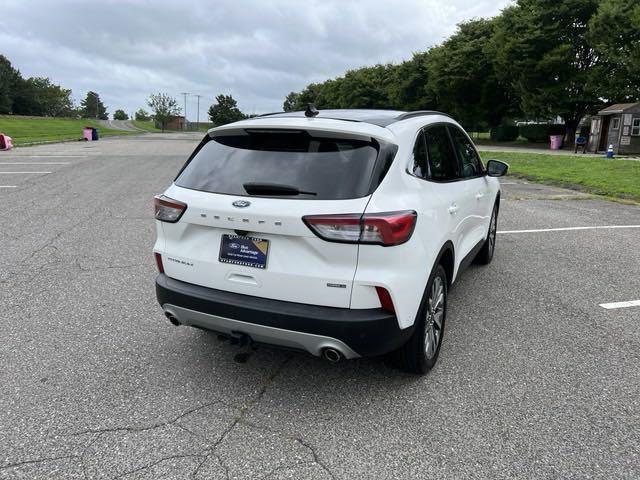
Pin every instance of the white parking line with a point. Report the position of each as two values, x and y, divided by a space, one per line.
18 173
631 303
566 229
34 163
7 186
46 156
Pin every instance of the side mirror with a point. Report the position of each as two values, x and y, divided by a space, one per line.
496 168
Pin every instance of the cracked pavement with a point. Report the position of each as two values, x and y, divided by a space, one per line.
534 379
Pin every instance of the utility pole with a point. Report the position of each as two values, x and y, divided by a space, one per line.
198 118
184 94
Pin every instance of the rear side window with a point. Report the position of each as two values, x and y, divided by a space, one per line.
471 166
443 164
420 156
320 168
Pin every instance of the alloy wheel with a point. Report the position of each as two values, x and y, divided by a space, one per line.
492 232
435 315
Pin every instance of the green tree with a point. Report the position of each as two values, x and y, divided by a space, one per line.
142 115
614 32
410 89
310 94
164 107
9 79
290 102
92 107
543 51
225 110
401 86
39 96
366 87
120 115
55 101
463 78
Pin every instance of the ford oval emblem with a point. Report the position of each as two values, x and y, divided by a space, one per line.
241 203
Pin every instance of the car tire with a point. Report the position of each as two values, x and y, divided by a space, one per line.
485 255
420 353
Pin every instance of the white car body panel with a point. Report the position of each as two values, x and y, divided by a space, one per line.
300 265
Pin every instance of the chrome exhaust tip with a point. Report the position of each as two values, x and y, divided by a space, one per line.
332 355
172 319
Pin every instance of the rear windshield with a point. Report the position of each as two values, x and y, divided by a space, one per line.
301 165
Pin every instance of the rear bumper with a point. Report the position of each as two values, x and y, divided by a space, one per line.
358 332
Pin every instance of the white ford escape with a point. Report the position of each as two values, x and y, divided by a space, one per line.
337 232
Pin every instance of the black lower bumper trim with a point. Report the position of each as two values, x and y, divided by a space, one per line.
367 331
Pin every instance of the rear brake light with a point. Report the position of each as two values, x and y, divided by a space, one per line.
168 209
385 299
159 262
388 228
391 228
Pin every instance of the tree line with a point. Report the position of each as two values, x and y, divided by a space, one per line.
37 96
40 97
538 59
165 108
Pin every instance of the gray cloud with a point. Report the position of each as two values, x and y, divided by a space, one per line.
256 50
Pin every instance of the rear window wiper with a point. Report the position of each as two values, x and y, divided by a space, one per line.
273 189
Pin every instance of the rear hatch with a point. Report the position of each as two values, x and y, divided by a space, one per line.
246 192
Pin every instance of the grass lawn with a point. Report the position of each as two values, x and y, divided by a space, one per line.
25 130
613 178
148 126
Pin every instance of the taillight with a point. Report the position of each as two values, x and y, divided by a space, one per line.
391 228
388 228
385 299
168 209
335 228
159 262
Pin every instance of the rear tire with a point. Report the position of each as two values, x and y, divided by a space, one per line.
485 255
420 353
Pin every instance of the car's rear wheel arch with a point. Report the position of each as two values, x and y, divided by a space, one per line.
446 258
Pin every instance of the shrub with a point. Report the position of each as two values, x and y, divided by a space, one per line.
504 133
539 132
535 132
557 129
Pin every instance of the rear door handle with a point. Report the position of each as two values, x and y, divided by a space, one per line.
479 195
453 209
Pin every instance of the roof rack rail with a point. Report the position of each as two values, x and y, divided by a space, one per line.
324 118
419 113
267 114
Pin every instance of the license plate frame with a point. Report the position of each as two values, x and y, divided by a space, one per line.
244 251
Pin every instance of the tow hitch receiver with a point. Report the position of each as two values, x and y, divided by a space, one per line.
240 339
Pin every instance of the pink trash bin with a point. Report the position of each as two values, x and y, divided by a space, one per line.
555 142
87 133
5 142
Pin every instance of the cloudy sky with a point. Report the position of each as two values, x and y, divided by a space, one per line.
258 51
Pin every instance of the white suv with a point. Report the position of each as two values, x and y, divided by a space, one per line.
337 232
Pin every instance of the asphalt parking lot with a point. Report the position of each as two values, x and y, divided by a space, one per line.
535 378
